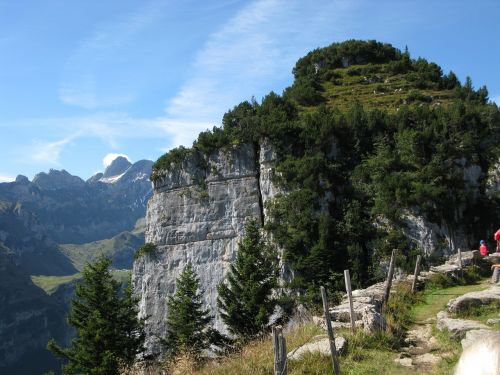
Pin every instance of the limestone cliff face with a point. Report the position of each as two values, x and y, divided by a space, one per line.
196 215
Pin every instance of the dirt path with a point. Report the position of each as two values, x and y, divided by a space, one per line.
424 352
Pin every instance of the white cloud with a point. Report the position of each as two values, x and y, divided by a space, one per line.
4 178
109 158
49 152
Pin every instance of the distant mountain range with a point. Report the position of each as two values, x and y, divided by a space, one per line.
49 228
76 211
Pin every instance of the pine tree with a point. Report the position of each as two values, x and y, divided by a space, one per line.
108 331
245 301
188 323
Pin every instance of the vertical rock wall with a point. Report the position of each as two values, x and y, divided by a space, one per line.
196 215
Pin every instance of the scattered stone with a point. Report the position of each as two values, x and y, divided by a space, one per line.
319 344
483 297
492 321
457 327
426 359
478 334
406 362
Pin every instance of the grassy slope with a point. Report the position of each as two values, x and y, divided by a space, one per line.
120 248
362 357
381 90
50 283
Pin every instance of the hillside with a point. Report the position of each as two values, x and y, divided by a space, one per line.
377 150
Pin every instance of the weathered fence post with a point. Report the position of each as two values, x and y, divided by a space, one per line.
280 360
348 289
390 274
460 258
415 274
333 349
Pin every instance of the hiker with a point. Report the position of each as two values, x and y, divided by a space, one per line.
483 249
496 237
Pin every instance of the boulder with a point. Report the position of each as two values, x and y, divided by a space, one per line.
483 297
373 321
457 327
319 344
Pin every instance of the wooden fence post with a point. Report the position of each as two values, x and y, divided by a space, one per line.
460 259
390 274
280 359
415 274
333 349
348 289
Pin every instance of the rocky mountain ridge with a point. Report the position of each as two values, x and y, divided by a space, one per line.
76 211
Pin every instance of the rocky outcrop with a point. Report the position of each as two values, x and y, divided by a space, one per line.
197 215
431 237
468 300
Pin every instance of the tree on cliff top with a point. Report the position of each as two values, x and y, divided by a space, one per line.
245 301
109 334
188 322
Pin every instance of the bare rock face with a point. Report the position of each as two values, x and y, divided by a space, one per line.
197 215
426 235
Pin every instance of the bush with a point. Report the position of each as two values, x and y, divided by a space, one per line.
144 249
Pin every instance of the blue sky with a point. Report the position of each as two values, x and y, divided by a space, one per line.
83 79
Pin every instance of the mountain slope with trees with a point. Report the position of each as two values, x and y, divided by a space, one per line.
369 140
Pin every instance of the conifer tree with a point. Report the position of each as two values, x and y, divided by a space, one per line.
109 333
245 300
188 323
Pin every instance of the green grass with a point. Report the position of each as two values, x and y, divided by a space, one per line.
387 91
120 248
50 284
435 300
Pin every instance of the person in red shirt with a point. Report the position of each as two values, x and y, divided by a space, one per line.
483 249
496 237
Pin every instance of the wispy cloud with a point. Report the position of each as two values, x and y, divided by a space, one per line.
236 62
250 50
49 152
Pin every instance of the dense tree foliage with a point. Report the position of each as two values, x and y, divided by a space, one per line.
245 300
188 323
109 334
